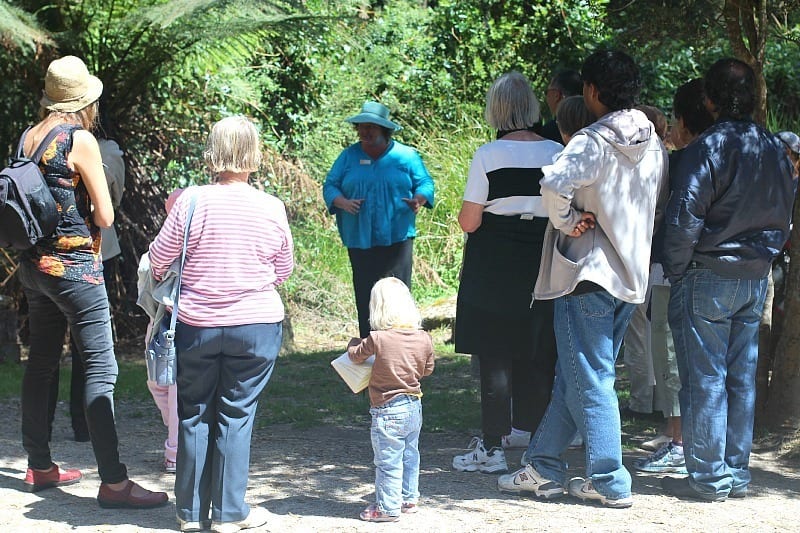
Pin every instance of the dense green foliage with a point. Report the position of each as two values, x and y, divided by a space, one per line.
300 67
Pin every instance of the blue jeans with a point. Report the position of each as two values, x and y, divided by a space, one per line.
714 322
221 372
54 304
395 443
589 332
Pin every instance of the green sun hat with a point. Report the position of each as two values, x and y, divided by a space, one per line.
374 113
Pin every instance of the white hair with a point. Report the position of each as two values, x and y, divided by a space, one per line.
233 146
392 306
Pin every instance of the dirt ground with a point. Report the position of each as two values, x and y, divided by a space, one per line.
318 480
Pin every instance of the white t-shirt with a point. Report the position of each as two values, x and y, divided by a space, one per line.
504 176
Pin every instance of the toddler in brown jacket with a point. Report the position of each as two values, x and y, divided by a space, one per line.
403 355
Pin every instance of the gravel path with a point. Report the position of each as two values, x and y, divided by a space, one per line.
318 480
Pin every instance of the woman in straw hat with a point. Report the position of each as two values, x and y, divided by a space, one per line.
375 189
63 281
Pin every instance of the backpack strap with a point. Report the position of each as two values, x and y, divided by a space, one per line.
37 155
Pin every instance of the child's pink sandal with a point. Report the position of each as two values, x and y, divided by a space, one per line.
372 514
409 508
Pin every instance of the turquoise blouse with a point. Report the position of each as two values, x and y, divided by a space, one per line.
384 218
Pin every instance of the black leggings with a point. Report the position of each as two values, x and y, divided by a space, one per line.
514 391
372 264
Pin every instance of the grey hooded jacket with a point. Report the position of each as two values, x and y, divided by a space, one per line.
617 169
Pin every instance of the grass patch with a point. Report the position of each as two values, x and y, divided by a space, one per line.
131 381
305 391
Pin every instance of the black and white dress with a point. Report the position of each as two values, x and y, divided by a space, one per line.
494 315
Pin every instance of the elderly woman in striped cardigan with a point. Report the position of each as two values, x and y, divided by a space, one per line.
229 325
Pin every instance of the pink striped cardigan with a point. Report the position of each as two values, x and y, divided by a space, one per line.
239 250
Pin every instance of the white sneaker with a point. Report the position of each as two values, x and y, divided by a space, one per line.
258 517
669 459
517 441
479 459
656 443
584 490
194 526
528 481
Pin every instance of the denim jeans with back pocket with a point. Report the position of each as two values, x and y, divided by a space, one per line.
395 442
715 322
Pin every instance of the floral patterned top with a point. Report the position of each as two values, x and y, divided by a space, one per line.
73 252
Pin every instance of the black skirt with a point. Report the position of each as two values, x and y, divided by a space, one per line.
494 316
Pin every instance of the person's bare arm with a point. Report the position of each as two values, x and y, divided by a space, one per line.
85 158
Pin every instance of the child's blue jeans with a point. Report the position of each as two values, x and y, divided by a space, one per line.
395 442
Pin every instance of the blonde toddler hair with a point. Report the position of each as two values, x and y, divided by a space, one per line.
392 306
233 146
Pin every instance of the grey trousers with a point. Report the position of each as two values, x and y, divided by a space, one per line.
639 361
221 373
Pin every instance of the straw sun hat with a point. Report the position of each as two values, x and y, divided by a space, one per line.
68 86
374 113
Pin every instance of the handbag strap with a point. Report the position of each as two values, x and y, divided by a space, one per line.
174 318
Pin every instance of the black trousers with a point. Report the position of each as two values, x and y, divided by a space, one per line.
514 392
371 264
55 304
77 411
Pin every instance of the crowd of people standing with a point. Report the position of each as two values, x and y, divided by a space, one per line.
591 223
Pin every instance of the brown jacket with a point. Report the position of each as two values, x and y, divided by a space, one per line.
402 358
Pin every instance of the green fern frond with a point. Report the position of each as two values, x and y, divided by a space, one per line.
20 31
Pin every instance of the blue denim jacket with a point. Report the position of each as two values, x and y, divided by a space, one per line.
730 205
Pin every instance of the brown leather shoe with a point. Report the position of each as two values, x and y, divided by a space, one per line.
36 480
123 499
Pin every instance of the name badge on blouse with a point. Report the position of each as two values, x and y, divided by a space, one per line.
365 161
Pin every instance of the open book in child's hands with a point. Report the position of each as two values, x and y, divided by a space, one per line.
356 375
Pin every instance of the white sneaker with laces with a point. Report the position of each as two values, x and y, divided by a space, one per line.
258 517
668 459
516 441
584 490
528 481
480 459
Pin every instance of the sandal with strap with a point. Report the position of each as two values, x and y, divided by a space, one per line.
373 514
408 508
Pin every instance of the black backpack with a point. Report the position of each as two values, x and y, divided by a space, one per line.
28 211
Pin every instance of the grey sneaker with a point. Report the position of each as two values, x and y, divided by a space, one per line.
655 444
480 459
669 458
528 481
584 490
514 441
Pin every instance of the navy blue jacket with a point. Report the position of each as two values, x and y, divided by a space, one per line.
730 203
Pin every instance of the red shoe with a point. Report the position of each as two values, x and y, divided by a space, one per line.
113 499
36 480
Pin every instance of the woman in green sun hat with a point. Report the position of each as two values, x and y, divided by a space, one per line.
376 188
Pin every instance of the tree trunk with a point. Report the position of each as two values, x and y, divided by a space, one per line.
765 353
747 25
783 408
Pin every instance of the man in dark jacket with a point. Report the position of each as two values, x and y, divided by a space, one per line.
727 218
564 84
